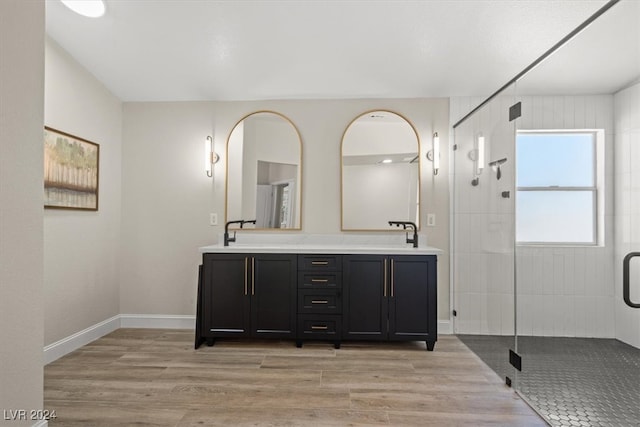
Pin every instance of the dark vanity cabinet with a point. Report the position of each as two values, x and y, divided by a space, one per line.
335 297
390 298
246 295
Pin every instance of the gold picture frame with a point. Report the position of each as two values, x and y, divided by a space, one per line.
71 171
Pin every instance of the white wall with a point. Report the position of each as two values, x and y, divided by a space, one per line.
562 291
21 200
627 205
81 248
167 197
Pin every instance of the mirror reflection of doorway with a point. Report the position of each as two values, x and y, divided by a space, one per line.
274 205
282 210
275 195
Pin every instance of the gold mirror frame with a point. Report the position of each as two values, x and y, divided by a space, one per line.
298 191
342 172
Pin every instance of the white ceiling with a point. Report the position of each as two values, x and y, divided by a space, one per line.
182 50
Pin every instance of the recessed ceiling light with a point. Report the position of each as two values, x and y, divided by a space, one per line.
90 8
387 161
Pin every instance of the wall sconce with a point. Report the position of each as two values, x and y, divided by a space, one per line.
210 156
434 153
477 155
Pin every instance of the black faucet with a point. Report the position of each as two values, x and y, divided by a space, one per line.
404 225
242 222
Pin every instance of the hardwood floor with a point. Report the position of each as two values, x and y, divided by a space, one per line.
151 377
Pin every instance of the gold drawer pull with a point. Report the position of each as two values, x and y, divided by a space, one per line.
320 328
319 301
319 262
319 280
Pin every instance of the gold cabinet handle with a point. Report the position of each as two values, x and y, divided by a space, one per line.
246 274
253 275
319 280
319 262
384 288
319 301
321 328
392 280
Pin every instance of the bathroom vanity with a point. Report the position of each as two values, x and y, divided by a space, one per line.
317 291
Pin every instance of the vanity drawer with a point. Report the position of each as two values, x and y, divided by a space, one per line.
313 280
320 262
324 301
319 326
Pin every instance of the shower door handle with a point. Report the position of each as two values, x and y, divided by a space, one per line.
625 280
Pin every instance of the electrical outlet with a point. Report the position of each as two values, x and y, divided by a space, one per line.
431 220
213 219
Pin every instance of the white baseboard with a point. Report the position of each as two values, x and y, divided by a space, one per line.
157 321
73 342
444 327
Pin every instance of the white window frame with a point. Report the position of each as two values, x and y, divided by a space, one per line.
593 189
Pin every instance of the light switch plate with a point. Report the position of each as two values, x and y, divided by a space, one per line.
431 220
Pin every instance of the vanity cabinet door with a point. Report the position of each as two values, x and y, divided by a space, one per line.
390 298
412 298
273 289
225 302
249 295
366 305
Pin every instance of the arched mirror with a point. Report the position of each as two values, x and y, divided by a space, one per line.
264 170
380 172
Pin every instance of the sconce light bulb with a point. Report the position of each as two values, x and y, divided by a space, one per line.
208 156
480 158
436 153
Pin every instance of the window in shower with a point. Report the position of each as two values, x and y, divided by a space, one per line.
556 200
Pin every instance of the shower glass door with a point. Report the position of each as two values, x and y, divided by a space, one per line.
577 152
627 253
483 262
627 223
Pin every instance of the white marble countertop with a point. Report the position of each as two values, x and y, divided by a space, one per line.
392 244
320 249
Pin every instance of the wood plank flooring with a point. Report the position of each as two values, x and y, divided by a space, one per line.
152 377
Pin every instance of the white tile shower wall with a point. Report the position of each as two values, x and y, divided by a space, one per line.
562 291
627 208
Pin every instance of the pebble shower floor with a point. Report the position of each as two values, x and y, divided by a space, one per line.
582 382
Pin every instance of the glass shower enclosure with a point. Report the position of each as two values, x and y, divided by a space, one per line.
546 258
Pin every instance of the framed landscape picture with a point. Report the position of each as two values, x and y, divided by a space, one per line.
71 171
